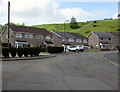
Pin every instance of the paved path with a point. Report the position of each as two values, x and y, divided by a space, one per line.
80 71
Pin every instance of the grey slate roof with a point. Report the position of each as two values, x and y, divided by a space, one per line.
62 34
77 35
29 30
103 34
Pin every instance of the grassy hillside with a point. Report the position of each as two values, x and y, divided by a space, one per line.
85 27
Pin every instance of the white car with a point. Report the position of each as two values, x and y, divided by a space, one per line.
76 48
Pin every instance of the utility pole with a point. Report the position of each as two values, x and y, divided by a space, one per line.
8 22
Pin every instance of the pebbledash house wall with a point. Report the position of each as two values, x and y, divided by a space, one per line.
35 42
93 40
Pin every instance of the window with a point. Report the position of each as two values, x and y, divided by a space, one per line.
38 36
84 41
48 38
18 35
78 40
71 40
64 39
28 36
102 39
110 39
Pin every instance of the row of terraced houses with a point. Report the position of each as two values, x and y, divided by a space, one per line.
34 37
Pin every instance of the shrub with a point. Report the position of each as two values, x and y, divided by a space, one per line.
55 49
43 49
20 51
13 51
36 51
95 25
26 51
31 51
5 52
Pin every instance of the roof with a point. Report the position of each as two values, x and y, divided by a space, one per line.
103 34
64 34
29 30
77 35
115 34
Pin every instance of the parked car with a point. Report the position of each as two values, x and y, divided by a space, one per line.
76 48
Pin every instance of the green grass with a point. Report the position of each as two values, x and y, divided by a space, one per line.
85 27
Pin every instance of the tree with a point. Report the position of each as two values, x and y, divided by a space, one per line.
73 23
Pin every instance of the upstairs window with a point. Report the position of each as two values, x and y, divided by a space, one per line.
110 39
38 36
78 40
71 40
28 35
84 41
18 35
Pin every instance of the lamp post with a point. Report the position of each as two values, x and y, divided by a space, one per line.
65 35
8 22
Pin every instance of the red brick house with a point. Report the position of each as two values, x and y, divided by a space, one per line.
20 35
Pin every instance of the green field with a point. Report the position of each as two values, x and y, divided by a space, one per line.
110 25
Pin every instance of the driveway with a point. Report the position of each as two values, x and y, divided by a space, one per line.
79 71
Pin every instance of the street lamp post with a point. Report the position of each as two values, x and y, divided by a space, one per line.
65 35
8 22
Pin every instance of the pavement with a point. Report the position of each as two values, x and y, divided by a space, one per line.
78 71
41 56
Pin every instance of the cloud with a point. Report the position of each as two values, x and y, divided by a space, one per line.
33 12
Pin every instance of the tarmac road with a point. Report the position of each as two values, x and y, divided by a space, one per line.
77 71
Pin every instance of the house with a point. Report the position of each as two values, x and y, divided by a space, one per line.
21 35
68 38
116 36
101 40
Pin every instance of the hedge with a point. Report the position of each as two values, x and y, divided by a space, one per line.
5 52
5 44
36 51
13 51
20 51
26 51
55 49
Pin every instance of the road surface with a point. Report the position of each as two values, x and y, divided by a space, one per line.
77 71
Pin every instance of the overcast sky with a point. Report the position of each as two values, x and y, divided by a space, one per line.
35 12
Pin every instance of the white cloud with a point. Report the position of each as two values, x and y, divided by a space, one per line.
33 12
115 16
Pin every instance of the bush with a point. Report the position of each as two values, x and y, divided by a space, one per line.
31 51
26 51
20 51
43 49
55 49
13 51
95 25
36 51
5 52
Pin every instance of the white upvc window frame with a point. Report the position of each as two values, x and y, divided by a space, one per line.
38 36
70 40
47 38
28 35
84 40
78 40
18 35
